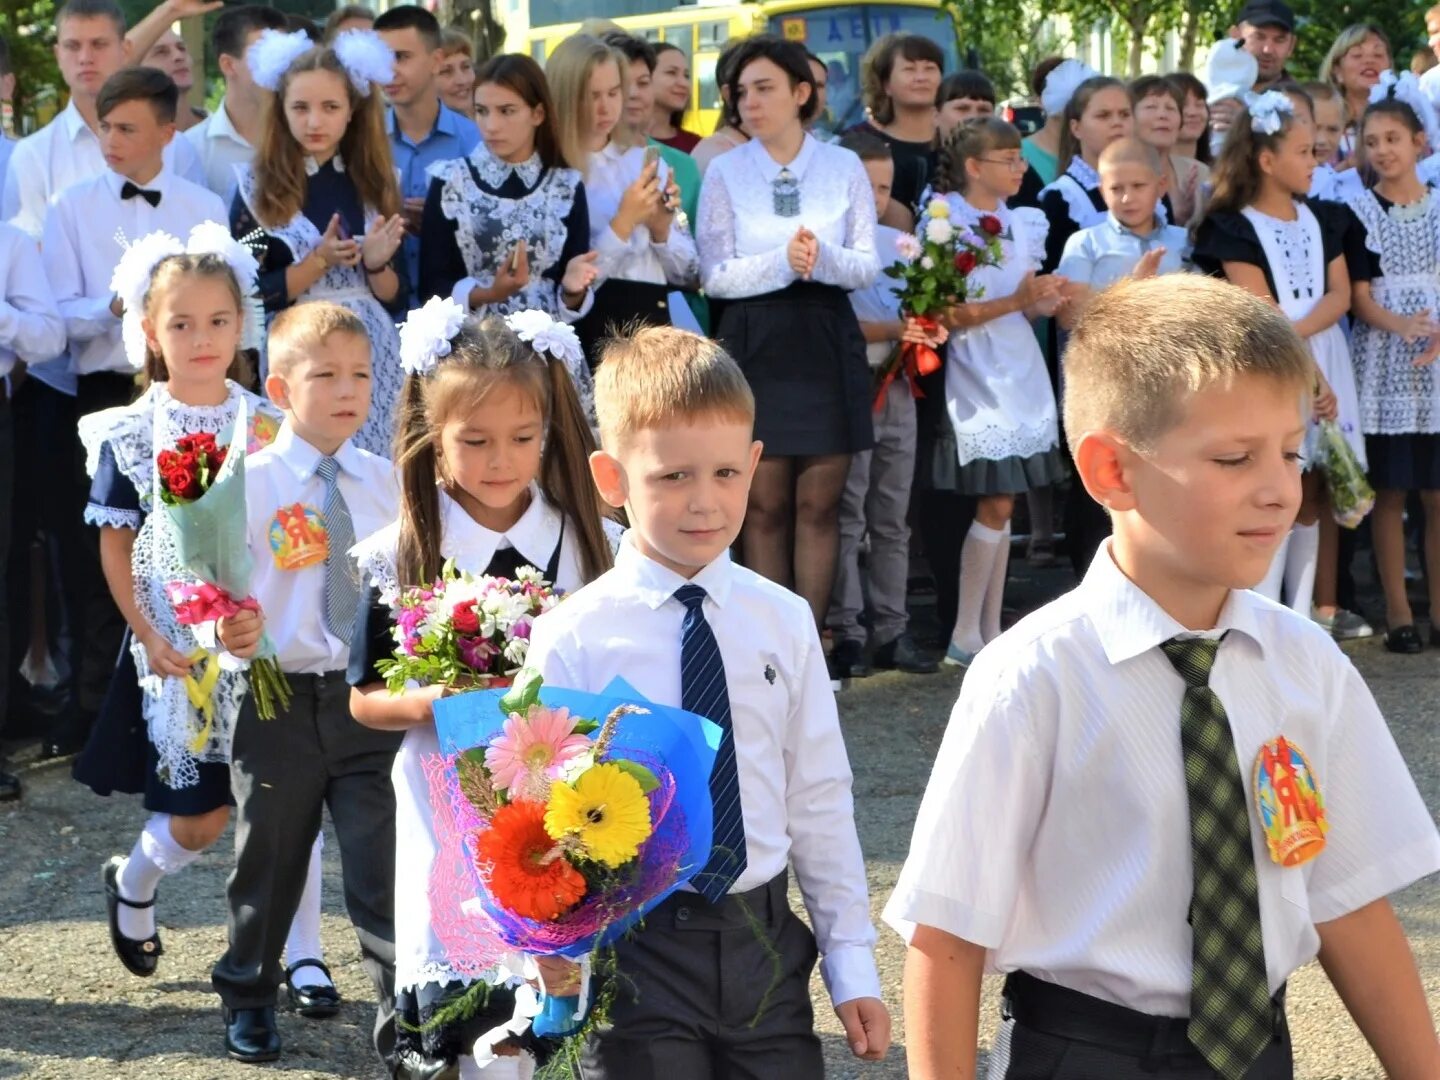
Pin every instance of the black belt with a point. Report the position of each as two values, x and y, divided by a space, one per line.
1068 1014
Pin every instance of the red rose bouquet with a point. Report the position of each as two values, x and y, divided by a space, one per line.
935 272
201 485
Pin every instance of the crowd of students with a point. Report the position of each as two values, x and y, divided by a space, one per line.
715 309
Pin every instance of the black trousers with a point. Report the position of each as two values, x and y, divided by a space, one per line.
691 999
283 771
1053 1033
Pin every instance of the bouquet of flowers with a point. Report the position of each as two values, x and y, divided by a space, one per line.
935 273
201 485
1351 496
557 830
465 630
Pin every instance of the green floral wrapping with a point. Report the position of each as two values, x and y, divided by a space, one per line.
1351 495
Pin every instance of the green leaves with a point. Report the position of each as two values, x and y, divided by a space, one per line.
647 779
524 692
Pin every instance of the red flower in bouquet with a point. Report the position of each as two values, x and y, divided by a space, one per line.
464 619
525 874
187 471
182 483
990 225
965 261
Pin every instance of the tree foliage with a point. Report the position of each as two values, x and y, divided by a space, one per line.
28 28
1320 21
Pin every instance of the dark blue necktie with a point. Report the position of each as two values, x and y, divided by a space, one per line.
703 691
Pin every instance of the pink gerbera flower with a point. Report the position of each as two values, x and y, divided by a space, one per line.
534 750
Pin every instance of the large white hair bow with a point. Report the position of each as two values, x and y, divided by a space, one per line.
133 273
426 334
273 53
366 59
1268 111
545 335
1406 89
1062 82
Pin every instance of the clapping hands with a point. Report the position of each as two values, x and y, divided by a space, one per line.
381 242
803 252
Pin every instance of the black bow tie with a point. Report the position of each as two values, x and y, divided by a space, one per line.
129 191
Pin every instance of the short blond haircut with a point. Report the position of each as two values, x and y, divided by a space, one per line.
1143 347
453 42
1131 151
302 330
658 376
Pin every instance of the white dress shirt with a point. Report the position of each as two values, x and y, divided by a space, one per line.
743 241
31 329
64 152
878 301
282 489
641 258
1055 830
219 148
794 773
81 249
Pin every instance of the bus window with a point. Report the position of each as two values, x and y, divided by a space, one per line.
683 38
713 34
703 72
537 51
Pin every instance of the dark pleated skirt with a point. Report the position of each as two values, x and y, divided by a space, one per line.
1404 462
119 757
621 306
802 351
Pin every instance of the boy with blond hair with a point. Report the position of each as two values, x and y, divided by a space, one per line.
685 626
1161 794
309 494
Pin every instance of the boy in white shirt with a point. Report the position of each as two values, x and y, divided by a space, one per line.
877 490
309 495
685 626
1161 794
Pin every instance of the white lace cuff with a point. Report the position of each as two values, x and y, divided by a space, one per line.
110 517
568 316
461 293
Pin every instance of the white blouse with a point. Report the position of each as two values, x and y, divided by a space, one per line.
641 258
743 240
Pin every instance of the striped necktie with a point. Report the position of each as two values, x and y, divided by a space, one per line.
342 587
1231 1016
703 691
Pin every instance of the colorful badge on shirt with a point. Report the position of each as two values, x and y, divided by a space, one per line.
298 537
1292 810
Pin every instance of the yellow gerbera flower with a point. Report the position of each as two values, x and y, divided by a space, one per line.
605 810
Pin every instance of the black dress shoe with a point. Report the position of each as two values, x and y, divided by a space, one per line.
314 1002
251 1035
61 746
9 787
413 1065
847 659
903 654
1404 639
139 957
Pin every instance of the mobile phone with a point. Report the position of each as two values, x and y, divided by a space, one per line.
515 257
652 156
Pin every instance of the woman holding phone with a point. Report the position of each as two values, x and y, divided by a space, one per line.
508 227
644 248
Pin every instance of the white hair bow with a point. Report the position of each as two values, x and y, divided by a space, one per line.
131 279
1406 89
1268 111
1062 82
273 53
426 334
545 334
366 59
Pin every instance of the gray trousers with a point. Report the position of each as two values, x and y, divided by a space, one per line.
876 500
283 771
691 999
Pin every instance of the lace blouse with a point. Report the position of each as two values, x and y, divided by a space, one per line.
742 238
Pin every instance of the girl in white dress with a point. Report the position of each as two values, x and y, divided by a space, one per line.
322 194
997 390
1397 340
493 454
1261 232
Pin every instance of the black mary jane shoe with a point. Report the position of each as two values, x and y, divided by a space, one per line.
1404 639
251 1035
312 1002
139 957
410 1064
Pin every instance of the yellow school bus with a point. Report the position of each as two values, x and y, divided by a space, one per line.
838 33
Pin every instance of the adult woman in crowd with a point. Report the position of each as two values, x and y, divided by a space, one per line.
1194 117
672 98
786 228
1353 65
1159 118
455 78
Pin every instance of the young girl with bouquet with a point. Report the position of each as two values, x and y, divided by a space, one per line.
493 454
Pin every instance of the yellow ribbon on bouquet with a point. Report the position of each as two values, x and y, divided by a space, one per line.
200 691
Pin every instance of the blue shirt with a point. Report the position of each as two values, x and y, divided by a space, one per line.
7 146
1104 253
453 136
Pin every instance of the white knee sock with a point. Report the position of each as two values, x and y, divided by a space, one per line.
977 565
995 592
303 941
155 854
1301 559
1270 584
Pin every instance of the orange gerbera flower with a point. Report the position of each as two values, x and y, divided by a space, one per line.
516 847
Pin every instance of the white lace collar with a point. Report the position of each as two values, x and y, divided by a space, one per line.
961 210
494 170
1082 173
312 166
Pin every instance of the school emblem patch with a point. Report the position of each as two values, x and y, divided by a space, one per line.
1292 809
298 537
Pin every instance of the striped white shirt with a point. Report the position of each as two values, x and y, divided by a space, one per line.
1055 830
